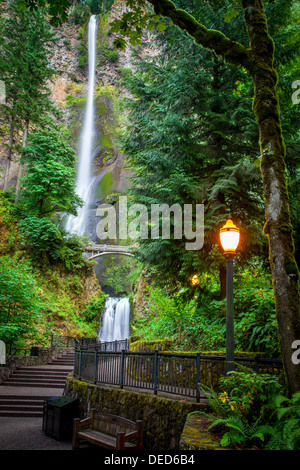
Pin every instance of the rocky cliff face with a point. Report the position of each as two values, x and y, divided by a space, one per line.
68 90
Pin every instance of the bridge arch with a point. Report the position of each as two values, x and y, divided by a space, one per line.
95 251
97 255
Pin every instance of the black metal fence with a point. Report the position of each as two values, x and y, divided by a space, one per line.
72 342
179 374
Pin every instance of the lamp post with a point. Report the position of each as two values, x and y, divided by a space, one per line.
229 237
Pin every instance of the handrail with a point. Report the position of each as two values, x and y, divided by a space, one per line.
82 342
179 374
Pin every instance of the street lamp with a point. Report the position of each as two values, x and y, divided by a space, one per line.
229 237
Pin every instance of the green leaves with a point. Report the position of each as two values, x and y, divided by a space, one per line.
233 10
49 184
20 307
188 140
47 188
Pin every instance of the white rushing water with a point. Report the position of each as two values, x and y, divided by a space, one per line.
115 320
84 178
116 315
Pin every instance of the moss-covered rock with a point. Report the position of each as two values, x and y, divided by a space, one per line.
150 346
196 435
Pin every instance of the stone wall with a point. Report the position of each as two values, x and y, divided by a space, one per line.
164 416
41 356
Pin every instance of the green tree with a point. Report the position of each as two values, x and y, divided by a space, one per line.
191 139
47 188
24 67
20 307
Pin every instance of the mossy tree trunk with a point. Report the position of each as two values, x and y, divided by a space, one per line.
258 61
278 225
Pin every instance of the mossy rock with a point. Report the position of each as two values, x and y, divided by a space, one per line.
196 435
150 346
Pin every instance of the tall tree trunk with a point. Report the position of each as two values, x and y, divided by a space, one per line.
278 225
8 161
20 172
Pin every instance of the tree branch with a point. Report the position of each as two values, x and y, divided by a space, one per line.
231 51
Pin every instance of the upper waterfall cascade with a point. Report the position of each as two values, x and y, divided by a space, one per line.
84 177
116 315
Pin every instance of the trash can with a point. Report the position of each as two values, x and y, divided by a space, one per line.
34 351
58 415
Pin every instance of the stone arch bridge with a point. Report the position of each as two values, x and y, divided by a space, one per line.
94 251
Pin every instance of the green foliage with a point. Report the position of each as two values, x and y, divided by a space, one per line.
99 6
71 254
91 314
177 160
82 51
105 50
47 188
24 65
20 306
283 429
252 411
49 183
244 393
118 274
41 236
195 318
239 407
112 55
255 319
79 14
172 317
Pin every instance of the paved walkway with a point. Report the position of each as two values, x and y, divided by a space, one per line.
25 433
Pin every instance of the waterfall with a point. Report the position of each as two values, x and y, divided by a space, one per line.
84 180
115 320
116 315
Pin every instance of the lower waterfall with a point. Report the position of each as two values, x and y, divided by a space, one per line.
115 318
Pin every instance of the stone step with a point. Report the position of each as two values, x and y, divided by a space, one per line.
23 407
20 402
63 363
21 414
28 380
24 397
34 369
37 374
51 376
12 383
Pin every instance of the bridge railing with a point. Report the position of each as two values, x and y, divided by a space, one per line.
178 374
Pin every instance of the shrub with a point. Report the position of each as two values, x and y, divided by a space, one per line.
283 430
20 307
41 237
242 407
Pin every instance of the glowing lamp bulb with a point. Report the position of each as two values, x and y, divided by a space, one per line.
229 237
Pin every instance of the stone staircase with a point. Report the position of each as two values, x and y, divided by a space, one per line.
24 392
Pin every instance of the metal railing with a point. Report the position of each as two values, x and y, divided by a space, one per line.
70 341
178 374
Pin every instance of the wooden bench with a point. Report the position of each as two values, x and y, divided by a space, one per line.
108 431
